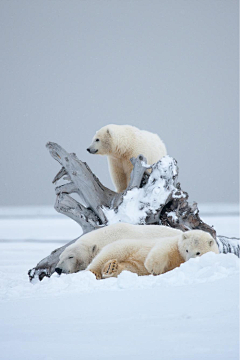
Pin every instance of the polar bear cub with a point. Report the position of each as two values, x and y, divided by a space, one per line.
78 256
154 256
122 142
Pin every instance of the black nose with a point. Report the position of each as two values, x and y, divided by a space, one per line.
88 150
58 270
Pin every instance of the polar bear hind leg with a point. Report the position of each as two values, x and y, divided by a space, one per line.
118 256
114 267
110 268
97 275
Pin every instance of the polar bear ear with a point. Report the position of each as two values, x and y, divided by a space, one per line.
210 243
184 236
94 249
109 132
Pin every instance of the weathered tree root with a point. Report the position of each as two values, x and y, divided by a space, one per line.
157 198
46 266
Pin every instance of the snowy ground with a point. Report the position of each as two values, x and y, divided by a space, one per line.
190 313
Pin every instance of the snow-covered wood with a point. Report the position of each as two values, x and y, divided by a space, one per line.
46 266
228 245
150 198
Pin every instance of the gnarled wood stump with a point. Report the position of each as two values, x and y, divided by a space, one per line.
154 198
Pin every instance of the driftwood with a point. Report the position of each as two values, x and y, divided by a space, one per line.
150 198
228 245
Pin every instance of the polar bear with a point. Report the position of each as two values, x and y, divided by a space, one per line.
122 142
155 256
78 256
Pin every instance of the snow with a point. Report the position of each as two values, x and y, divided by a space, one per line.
137 203
39 229
190 313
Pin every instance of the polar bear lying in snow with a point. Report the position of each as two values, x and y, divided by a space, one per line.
151 256
78 256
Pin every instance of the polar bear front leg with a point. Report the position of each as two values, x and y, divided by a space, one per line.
157 260
117 173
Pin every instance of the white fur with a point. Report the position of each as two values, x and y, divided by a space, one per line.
196 241
122 142
151 256
78 255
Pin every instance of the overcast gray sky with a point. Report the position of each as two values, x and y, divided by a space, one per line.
70 67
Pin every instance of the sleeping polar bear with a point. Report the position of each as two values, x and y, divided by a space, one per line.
151 256
78 256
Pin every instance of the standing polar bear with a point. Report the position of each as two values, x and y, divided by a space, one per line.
155 256
78 256
122 142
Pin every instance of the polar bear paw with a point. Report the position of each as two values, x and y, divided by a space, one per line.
110 268
153 267
98 276
154 273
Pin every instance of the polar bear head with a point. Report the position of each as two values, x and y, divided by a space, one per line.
195 243
113 139
102 141
74 258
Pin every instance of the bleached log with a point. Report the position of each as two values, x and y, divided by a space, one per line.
46 266
90 191
68 206
184 216
154 198
228 245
